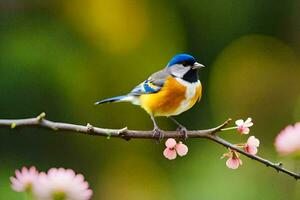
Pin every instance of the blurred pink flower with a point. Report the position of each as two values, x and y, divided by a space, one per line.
251 145
24 180
243 126
288 140
173 148
62 184
233 161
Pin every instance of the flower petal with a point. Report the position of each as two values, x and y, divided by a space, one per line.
251 150
253 141
170 143
233 163
245 130
170 153
239 122
249 124
248 120
181 149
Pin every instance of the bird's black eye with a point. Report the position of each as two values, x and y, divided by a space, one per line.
185 63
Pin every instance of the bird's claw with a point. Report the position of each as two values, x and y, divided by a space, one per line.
183 132
157 133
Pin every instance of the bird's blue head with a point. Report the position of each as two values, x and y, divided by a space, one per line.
184 66
184 59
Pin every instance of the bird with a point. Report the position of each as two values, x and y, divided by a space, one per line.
167 93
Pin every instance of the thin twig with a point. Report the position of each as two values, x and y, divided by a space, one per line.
277 166
127 134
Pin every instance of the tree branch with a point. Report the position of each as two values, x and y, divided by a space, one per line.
127 134
277 166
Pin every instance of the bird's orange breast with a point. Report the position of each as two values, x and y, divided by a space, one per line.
171 99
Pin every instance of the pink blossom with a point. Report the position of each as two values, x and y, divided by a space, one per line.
288 140
24 180
173 148
251 145
233 163
243 126
62 184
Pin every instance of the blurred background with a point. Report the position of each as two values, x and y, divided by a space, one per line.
59 57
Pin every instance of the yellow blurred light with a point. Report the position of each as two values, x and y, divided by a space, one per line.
256 76
119 25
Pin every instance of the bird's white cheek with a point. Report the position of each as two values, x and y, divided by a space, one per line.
179 71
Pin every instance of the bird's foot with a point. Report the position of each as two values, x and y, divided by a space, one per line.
158 134
183 132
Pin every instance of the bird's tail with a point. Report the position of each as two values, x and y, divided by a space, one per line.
115 99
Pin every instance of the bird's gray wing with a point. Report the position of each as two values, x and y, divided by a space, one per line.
153 84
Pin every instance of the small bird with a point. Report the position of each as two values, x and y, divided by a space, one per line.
168 92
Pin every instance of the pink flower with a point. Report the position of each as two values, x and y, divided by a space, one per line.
62 184
24 180
251 145
243 126
233 161
288 140
174 148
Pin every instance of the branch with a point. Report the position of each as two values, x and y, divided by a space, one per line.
277 166
127 134
124 133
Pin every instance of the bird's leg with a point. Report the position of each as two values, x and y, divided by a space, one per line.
156 131
181 129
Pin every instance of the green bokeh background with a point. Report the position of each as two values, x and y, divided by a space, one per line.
59 57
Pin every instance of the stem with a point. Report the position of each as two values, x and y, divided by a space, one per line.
229 128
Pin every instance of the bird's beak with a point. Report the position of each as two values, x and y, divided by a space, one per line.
197 65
